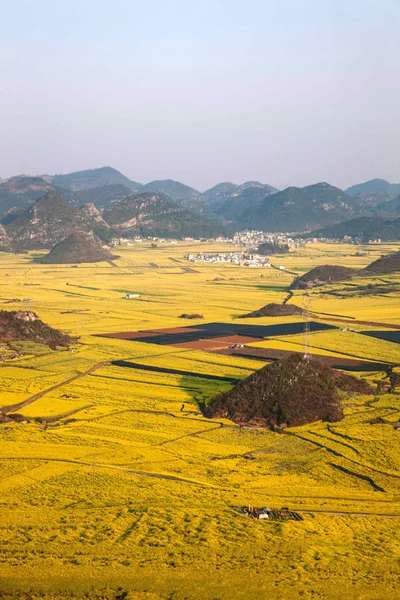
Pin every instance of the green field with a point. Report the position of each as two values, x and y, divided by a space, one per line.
122 494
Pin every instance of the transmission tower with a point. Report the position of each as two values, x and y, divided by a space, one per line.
306 306
94 465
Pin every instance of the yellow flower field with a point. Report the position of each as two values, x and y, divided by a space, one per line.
115 479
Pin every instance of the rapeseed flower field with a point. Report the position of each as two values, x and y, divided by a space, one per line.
116 486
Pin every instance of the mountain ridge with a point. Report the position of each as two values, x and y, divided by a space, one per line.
301 209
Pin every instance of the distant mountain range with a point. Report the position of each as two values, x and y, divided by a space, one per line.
252 205
91 178
101 196
362 228
374 192
301 209
19 192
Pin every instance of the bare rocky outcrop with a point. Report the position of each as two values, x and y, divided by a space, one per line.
5 242
89 212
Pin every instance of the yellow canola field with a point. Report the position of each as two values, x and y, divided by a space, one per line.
116 485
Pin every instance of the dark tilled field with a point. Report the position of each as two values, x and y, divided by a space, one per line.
217 330
389 336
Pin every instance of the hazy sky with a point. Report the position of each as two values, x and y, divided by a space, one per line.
286 92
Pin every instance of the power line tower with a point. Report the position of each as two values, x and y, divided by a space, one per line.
94 465
306 306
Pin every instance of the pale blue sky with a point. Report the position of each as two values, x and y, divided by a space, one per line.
286 92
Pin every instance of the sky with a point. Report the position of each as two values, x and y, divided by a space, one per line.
288 92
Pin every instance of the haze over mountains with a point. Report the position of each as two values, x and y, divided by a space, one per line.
117 204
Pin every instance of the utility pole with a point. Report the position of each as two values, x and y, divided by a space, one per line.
306 306
94 478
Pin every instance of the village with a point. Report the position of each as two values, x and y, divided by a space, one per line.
242 259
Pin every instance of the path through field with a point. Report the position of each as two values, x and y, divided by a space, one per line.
15 407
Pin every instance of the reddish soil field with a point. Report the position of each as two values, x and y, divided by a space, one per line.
128 335
173 330
216 343
210 345
236 339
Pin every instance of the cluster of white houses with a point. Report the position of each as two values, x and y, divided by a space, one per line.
238 258
253 239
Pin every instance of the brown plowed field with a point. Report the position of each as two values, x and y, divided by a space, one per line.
216 343
128 335
210 345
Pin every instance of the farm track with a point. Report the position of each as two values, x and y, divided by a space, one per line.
15 407
343 456
115 468
198 483
194 433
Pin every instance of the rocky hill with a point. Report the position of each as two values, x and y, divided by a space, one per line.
301 209
92 178
156 215
389 263
323 275
80 247
20 192
373 192
390 208
45 223
101 197
287 393
244 198
178 192
369 187
224 192
21 326
91 216
362 229
5 242
274 310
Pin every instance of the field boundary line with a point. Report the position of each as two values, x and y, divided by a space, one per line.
14 407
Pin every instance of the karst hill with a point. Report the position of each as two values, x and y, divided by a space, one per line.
287 393
274 310
45 223
26 326
322 275
384 265
79 247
